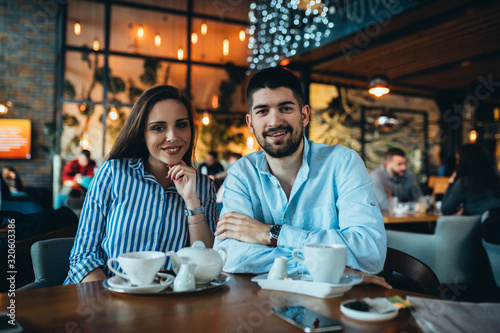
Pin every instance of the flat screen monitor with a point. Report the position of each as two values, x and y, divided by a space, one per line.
15 139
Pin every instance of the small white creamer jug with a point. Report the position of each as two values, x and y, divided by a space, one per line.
278 271
184 281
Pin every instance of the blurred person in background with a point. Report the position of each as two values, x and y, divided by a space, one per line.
474 187
74 171
392 176
12 179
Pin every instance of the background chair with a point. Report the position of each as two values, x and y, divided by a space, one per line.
412 268
50 262
453 252
490 228
439 186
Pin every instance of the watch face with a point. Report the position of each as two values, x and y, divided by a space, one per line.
275 231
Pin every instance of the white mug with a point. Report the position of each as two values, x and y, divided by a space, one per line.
325 262
140 267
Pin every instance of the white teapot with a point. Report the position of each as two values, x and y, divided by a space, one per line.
208 262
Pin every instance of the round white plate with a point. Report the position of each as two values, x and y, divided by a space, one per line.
118 284
366 315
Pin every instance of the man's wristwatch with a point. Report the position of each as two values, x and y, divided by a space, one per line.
196 211
274 232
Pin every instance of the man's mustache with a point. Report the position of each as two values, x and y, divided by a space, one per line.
279 128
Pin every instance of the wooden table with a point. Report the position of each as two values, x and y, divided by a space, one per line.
239 306
409 217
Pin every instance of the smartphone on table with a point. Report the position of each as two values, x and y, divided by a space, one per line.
307 319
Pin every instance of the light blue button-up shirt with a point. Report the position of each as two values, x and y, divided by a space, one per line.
331 201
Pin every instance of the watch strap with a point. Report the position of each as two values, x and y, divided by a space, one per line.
195 211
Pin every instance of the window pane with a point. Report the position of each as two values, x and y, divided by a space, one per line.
125 24
82 128
83 76
330 122
223 9
209 48
90 16
408 136
114 125
228 85
131 76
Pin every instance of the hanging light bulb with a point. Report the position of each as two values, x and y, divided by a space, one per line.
113 114
194 38
95 45
225 47
84 142
3 109
77 28
215 102
250 142
242 35
204 28
206 119
157 39
180 53
378 85
473 136
140 32
284 62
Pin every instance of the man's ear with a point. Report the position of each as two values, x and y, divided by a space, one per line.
249 122
306 112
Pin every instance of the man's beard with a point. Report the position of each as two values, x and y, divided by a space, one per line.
280 149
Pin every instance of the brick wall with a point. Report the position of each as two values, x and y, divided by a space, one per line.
27 78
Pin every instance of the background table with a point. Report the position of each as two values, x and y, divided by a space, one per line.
239 306
409 218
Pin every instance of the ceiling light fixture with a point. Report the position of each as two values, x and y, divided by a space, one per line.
180 53
194 38
204 28
378 85
157 39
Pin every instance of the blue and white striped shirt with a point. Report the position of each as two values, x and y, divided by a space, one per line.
127 210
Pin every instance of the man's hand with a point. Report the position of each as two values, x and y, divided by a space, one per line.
369 278
243 228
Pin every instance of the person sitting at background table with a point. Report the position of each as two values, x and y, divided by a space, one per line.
295 192
12 178
74 171
474 187
141 197
392 176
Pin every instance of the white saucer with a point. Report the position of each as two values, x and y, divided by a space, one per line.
119 284
303 284
366 315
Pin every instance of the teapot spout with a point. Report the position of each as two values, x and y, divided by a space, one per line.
176 260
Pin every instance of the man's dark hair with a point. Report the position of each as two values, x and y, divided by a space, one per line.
393 152
86 153
273 78
214 154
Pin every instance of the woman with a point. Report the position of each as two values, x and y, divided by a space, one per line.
141 196
12 178
474 185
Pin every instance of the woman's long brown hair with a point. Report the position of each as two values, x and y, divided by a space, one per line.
130 142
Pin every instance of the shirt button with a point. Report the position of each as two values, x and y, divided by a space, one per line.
277 186
285 215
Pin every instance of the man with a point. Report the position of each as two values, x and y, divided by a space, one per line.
74 171
391 177
295 191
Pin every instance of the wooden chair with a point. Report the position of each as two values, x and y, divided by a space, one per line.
412 268
438 185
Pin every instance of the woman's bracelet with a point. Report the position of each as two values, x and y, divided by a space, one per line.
193 223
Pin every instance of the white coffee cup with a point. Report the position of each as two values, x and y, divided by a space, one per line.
140 267
325 262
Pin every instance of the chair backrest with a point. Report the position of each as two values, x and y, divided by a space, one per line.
50 261
412 268
438 185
